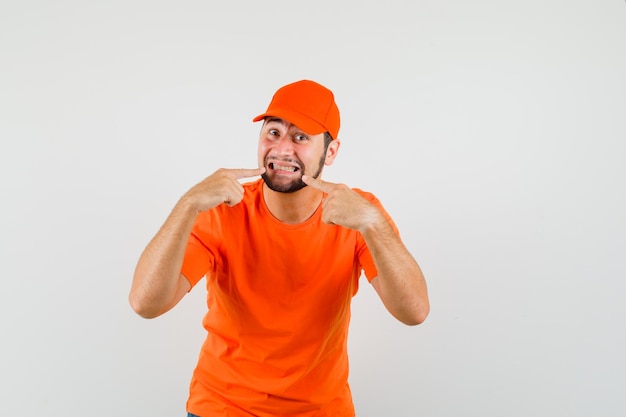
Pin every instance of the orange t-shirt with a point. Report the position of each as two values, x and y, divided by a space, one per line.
279 308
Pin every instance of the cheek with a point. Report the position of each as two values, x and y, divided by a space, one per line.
262 151
265 145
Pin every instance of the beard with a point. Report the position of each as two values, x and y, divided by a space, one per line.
294 185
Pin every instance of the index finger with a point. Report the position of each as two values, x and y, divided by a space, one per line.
245 172
324 186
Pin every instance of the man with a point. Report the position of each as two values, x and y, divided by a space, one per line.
282 256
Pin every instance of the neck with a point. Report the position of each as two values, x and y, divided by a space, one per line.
292 208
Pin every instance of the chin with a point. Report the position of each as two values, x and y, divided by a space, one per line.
283 187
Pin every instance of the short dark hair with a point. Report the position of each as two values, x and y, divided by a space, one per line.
327 140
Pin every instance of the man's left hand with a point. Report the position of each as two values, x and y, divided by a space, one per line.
344 206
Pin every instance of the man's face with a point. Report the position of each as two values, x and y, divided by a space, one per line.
287 153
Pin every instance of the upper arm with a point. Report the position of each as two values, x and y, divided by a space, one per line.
376 284
183 287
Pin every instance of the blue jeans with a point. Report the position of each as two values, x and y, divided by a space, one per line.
191 415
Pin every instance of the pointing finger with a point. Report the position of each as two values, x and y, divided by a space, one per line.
324 186
245 173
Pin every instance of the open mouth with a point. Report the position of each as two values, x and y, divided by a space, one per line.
275 166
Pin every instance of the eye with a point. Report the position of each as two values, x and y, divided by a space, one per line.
273 132
299 137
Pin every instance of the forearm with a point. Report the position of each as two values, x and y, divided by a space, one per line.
400 282
156 283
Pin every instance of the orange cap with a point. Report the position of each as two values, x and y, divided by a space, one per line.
306 104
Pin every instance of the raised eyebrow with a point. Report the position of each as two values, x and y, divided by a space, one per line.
274 120
284 123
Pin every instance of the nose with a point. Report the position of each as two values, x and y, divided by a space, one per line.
283 146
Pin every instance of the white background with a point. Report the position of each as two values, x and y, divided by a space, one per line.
493 132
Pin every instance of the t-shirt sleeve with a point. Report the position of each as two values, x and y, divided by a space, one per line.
365 257
199 259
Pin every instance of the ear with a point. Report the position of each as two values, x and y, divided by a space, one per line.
331 152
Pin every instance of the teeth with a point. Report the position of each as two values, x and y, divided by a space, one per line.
284 168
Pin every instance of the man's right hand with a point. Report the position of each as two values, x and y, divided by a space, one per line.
220 187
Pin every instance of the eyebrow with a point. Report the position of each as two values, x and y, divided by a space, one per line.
274 119
284 122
